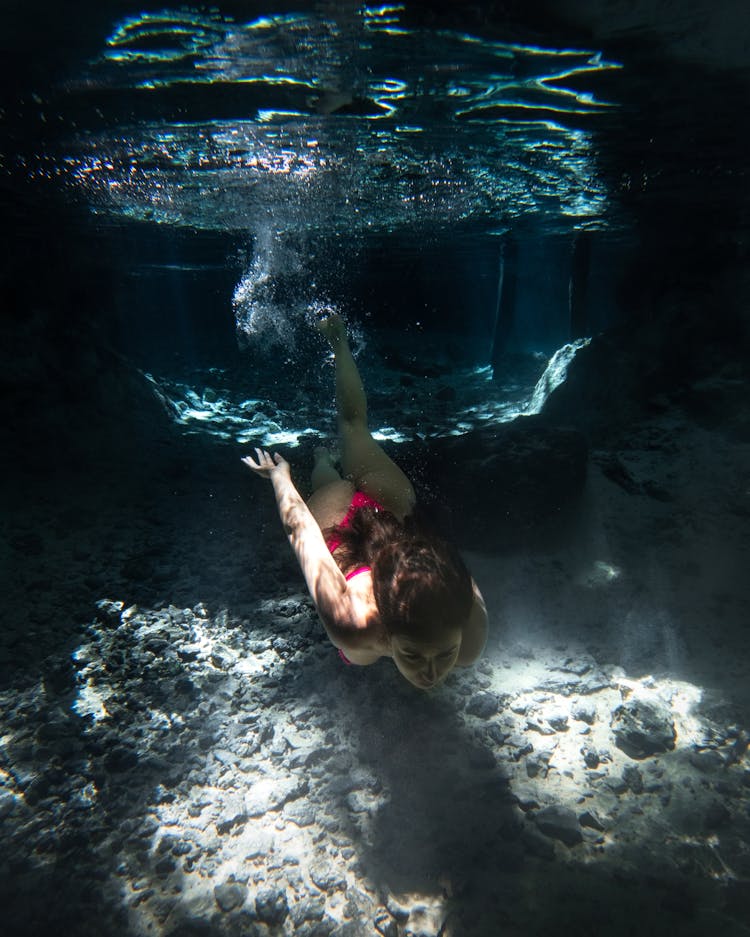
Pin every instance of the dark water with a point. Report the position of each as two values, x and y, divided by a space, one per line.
182 191
376 155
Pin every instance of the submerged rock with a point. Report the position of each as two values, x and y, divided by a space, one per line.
271 794
560 823
643 727
326 877
484 705
310 909
633 778
271 906
230 895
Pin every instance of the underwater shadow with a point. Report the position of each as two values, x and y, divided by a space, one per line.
448 825
45 898
444 805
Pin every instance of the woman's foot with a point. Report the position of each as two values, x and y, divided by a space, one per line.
331 327
327 455
324 471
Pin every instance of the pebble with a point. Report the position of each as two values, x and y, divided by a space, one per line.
271 793
643 727
591 818
121 758
398 908
496 733
230 895
542 728
282 783
309 909
257 843
481 758
590 757
584 712
7 803
559 823
519 747
233 813
536 767
385 925
326 876
222 657
483 705
558 721
707 762
633 779
165 865
716 816
537 844
300 812
577 665
271 906
618 786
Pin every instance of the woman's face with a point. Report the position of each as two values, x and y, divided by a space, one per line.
425 664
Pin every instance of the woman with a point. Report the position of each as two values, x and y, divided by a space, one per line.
381 585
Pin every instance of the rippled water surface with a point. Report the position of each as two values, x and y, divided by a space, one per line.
276 161
396 118
349 122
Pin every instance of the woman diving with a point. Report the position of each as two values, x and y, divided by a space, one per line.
382 585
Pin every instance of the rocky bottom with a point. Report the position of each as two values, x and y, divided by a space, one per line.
210 778
191 771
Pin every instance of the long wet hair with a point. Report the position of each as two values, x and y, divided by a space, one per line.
421 584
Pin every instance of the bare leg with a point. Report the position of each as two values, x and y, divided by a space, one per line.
362 459
351 402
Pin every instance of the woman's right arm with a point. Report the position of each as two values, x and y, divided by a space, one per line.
324 579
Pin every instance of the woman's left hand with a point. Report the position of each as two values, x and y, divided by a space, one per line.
266 464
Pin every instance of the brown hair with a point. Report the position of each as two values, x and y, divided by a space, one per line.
420 582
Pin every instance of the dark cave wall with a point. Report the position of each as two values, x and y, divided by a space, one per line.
70 399
685 340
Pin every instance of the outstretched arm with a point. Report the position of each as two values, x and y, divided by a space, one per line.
324 579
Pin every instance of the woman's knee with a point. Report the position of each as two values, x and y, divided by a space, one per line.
353 430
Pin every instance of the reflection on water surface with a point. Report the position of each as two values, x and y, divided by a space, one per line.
352 122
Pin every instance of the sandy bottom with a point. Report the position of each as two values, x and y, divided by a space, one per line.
182 752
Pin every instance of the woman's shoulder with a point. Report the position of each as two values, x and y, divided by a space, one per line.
474 631
364 610
361 634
